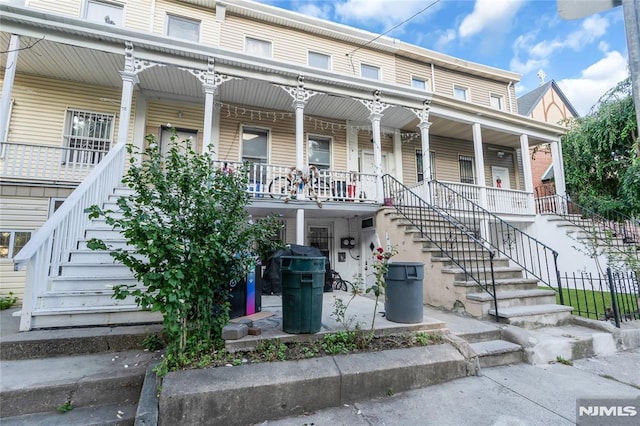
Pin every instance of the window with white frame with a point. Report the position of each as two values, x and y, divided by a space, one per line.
496 101
418 83
319 60
11 242
461 92
104 12
183 28
88 135
420 167
467 169
370 71
319 152
258 47
255 151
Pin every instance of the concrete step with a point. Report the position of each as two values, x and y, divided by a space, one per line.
87 283
508 299
97 415
498 272
475 260
42 385
534 316
502 284
497 352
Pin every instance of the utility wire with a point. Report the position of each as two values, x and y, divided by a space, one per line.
394 27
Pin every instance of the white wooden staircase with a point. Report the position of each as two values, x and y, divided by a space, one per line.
81 293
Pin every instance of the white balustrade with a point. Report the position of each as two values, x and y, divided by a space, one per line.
51 245
47 163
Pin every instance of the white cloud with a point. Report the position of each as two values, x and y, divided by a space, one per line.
315 10
529 65
380 11
594 81
445 38
592 28
489 15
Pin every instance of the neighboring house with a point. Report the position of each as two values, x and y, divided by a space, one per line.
83 78
549 104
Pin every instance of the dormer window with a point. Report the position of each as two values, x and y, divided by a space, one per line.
104 12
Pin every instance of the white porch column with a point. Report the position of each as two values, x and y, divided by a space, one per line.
397 153
300 227
377 154
479 163
139 123
426 151
558 168
129 81
526 163
7 85
299 107
209 92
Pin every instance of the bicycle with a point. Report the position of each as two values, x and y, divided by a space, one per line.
338 283
286 187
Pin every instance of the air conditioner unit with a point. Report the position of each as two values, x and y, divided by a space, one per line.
369 223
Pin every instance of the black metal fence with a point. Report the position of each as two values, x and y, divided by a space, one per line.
613 296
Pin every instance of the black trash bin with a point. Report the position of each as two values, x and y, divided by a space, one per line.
302 284
403 295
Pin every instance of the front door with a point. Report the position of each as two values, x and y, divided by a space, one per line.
500 177
183 134
367 167
320 236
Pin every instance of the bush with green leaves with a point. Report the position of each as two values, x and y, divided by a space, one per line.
191 235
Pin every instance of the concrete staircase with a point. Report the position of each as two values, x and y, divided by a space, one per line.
97 374
81 295
520 300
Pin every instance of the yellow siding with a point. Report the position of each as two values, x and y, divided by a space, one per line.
62 7
408 68
19 214
138 14
479 89
208 26
291 45
38 114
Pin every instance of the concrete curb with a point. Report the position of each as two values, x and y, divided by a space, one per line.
147 412
258 392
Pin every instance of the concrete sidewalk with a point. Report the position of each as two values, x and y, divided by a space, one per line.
519 394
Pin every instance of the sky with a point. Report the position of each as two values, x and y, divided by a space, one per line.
585 57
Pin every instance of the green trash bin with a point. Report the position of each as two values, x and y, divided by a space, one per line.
403 295
302 281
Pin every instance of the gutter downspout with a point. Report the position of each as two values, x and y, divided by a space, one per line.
509 96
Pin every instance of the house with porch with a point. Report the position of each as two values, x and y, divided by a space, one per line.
398 145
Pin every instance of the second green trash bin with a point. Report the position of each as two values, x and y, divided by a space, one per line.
302 281
403 295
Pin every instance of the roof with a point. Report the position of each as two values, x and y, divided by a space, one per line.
528 101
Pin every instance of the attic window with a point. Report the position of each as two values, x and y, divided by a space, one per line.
183 28
496 101
104 12
461 93
370 71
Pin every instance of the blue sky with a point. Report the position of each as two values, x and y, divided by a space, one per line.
586 57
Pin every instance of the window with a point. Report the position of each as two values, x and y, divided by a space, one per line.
257 47
11 242
460 92
496 101
467 174
370 71
319 152
255 148
89 136
420 168
418 83
183 28
319 60
104 12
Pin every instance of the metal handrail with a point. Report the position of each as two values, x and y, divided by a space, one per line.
621 231
454 240
535 258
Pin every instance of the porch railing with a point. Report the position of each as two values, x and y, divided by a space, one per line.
535 258
616 231
51 245
24 161
462 245
279 182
